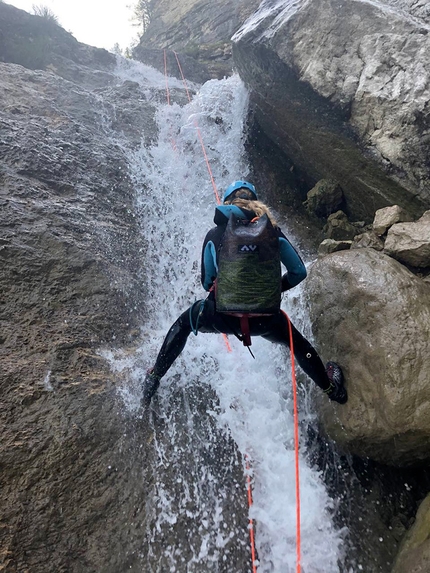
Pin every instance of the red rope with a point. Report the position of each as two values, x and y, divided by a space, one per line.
182 75
200 137
296 445
217 197
226 341
251 521
296 418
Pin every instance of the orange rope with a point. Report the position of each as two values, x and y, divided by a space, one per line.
227 343
296 444
251 521
226 340
182 75
200 136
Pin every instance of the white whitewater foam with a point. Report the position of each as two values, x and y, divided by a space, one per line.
176 206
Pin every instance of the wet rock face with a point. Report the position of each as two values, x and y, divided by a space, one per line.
342 88
372 315
414 554
198 28
70 284
77 477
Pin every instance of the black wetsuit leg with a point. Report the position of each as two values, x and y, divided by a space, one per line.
173 344
199 317
304 352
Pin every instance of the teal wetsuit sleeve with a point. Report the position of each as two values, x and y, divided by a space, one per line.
210 267
296 270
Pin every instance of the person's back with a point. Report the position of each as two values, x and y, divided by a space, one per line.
241 270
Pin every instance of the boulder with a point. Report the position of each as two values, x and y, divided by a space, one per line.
331 246
325 198
367 240
388 216
342 88
339 228
409 243
372 315
414 553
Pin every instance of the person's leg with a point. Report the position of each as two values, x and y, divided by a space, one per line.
329 379
173 345
200 316
304 352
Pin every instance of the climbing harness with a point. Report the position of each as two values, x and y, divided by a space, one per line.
245 337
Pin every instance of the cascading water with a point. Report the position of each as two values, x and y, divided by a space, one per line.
213 403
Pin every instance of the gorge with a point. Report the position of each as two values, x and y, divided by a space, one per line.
100 252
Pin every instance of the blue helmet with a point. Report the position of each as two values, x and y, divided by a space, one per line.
239 185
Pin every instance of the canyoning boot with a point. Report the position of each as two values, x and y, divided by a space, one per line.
336 391
150 385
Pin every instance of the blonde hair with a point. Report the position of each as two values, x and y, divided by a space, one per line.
258 207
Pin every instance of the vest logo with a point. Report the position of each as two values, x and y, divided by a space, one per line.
248 248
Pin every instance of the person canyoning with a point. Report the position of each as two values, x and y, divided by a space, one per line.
241 270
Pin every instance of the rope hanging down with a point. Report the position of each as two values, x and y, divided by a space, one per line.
251 522
293 369
217 197
199 134
296 444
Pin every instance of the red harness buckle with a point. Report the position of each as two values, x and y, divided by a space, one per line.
244 327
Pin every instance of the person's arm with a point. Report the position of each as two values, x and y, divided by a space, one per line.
209 264
296 270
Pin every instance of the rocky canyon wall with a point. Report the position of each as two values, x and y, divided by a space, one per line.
69 286
336 93
198 28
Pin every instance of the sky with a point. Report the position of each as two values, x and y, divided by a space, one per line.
100 23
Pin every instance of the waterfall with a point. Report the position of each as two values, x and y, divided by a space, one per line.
214 403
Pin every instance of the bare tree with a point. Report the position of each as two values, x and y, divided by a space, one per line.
141 14
45 12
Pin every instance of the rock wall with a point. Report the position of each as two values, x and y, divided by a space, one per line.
66 225
75 477
342 88
37 43
76 466
198 28
72 474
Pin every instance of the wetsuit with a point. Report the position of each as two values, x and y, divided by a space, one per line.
203 317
